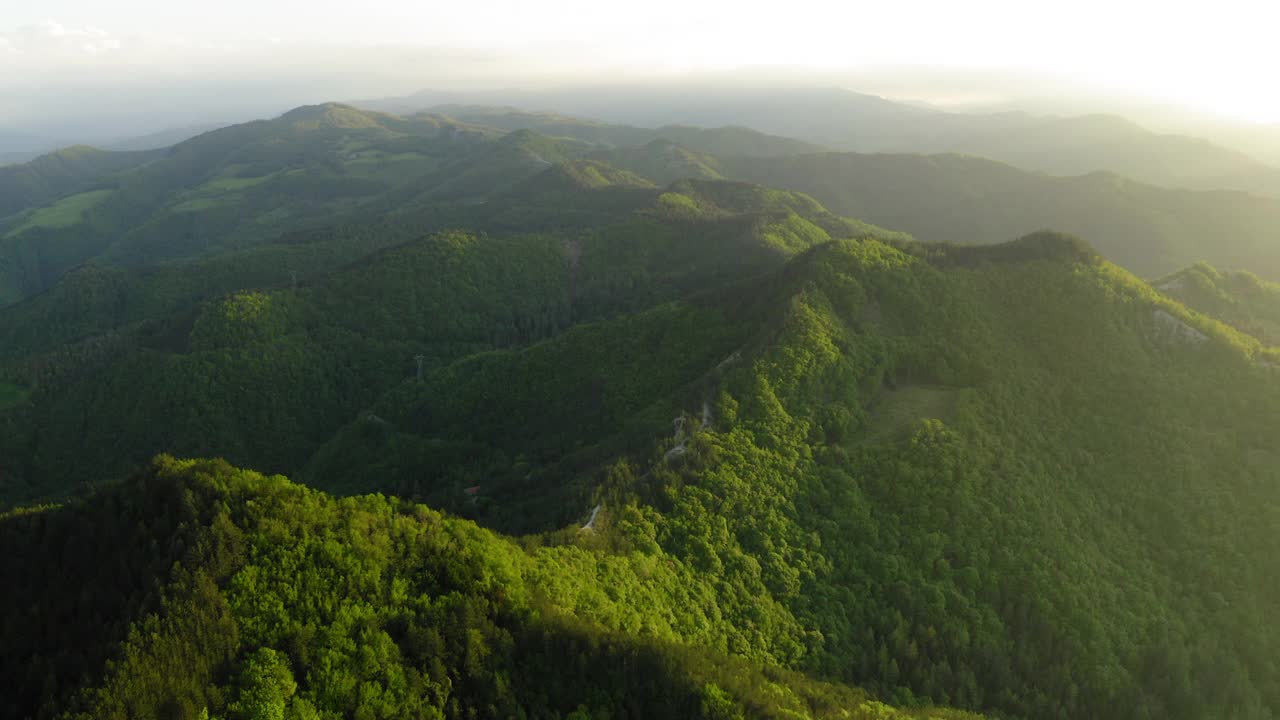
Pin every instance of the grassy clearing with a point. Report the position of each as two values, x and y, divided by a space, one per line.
897 411
231 183
64 213
378 164
198 204
377 156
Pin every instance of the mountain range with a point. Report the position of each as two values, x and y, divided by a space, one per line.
841 119
513 414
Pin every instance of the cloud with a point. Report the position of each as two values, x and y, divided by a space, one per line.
52 40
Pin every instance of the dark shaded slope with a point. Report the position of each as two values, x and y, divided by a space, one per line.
264 377
969 200
58 174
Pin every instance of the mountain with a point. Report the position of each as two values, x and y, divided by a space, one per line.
952 198
351 328
844 120
962 199
862 393
239 186
1085 144
665 162
858 485
728 140
228 189
566 442
199 199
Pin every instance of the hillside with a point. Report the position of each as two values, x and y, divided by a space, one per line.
665 162
58 174
429 617
238 187
224 190
968 200
874 395
247 367
951 198
333 164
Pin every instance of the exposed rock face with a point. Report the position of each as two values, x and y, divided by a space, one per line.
591 524
1172 330
680 437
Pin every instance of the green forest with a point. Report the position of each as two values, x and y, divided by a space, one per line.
489 414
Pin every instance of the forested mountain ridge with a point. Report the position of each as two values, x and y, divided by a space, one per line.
954 198
242 185
828 412
950 198
227 189
745 454
279 601
354 167
245 366
867 410
841 119
55 175
730 140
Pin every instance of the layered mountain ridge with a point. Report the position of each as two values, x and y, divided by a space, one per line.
580 425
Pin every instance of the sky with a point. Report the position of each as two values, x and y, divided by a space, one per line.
183 61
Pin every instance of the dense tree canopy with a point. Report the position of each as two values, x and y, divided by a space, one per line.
564 443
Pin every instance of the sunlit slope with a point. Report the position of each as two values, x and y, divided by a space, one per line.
280 601
1012 478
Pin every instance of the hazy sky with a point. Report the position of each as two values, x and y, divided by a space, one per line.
1218 56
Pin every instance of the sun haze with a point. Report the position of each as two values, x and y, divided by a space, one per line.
1215 59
